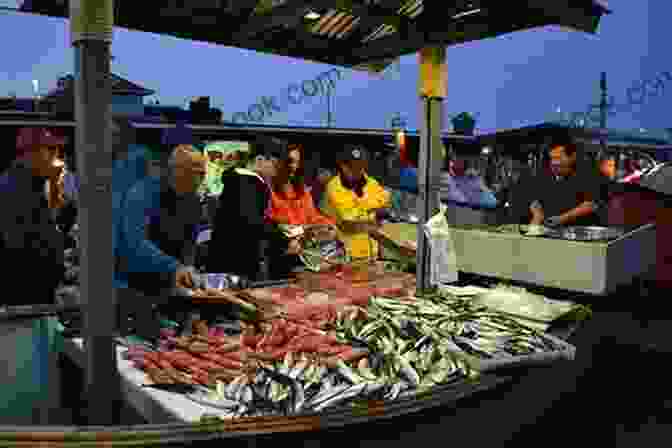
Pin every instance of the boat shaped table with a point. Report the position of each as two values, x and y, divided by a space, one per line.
159 406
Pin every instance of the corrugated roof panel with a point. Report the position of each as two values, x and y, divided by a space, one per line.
415 12
410 6
331 24
324 19
381 31
349 28
373 34
343 24
387 30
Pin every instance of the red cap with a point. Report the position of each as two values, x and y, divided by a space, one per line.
28 139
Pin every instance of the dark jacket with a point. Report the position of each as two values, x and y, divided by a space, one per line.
558 196
32 244
241 226
159 232
172 225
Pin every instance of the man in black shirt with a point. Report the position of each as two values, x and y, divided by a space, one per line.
569 196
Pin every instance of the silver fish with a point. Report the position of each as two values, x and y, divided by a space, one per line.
299 398
409 372
260 377
349 393
259 389
405 385
394 392
299 369
348 373
328 394
321 372
329 381
242 409
407 394
283 369
372 388
231 390
246 394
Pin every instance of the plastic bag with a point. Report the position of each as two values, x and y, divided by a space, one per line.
443 260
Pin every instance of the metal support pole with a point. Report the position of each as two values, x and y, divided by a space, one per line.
329 116
432 87
94 160
91 23
429 174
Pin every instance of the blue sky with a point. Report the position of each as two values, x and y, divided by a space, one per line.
511 80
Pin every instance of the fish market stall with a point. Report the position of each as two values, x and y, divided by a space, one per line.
341 337
368 42
305 349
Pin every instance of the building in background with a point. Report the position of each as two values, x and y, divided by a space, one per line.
127 97
14 104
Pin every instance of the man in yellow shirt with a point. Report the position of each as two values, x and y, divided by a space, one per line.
353 198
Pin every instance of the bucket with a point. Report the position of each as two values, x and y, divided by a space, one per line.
29 375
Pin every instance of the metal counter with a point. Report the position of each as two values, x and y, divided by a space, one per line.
596 268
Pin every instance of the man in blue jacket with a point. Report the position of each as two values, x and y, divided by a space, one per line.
156 223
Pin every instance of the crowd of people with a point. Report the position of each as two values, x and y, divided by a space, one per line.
261 188
257 190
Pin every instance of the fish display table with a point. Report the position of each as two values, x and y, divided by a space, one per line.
159 406
439 382
155 406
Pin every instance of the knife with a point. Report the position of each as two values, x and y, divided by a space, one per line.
179 388
269 283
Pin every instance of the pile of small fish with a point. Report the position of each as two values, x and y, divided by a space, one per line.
391 349
302 385
449 324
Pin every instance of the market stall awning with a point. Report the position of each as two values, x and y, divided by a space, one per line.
367 34
538 132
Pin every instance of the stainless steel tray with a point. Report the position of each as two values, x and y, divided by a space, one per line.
594 233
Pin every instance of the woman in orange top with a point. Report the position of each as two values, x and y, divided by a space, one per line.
291 202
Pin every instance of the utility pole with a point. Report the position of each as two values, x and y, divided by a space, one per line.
603 112
329 113
603 100
328 108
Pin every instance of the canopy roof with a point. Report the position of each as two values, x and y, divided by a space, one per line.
367 34
539 132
